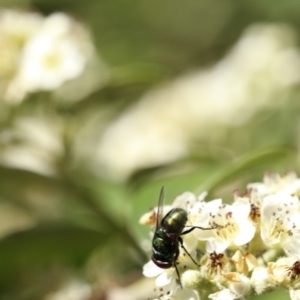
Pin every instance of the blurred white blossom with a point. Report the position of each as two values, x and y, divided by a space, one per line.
260 68
16 28
228 257
32 144
75 290
43 53
52 56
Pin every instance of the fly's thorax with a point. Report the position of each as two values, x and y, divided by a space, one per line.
174 222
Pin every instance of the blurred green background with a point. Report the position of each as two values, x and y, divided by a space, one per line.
77 226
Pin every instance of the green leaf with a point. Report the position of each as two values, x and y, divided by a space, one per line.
243 165
37 249
16 183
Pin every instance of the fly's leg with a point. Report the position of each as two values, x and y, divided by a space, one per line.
181 244
194 227
175 265
188 231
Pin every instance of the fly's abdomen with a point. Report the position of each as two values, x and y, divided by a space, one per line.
164 252
164 246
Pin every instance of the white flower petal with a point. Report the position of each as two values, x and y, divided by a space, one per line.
225 294
241 209
292 246
165 278
184 200
294 294
213 246
150 269
242 287
185 294
246 233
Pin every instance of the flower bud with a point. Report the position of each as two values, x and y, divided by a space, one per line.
191 279
261 280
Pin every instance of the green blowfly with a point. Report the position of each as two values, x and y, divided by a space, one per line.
167 236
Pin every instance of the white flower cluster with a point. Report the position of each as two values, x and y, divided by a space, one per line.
253 248
40 53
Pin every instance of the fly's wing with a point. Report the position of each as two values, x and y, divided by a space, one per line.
160 207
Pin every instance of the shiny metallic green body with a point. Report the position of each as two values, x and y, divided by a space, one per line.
167 236
165 243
